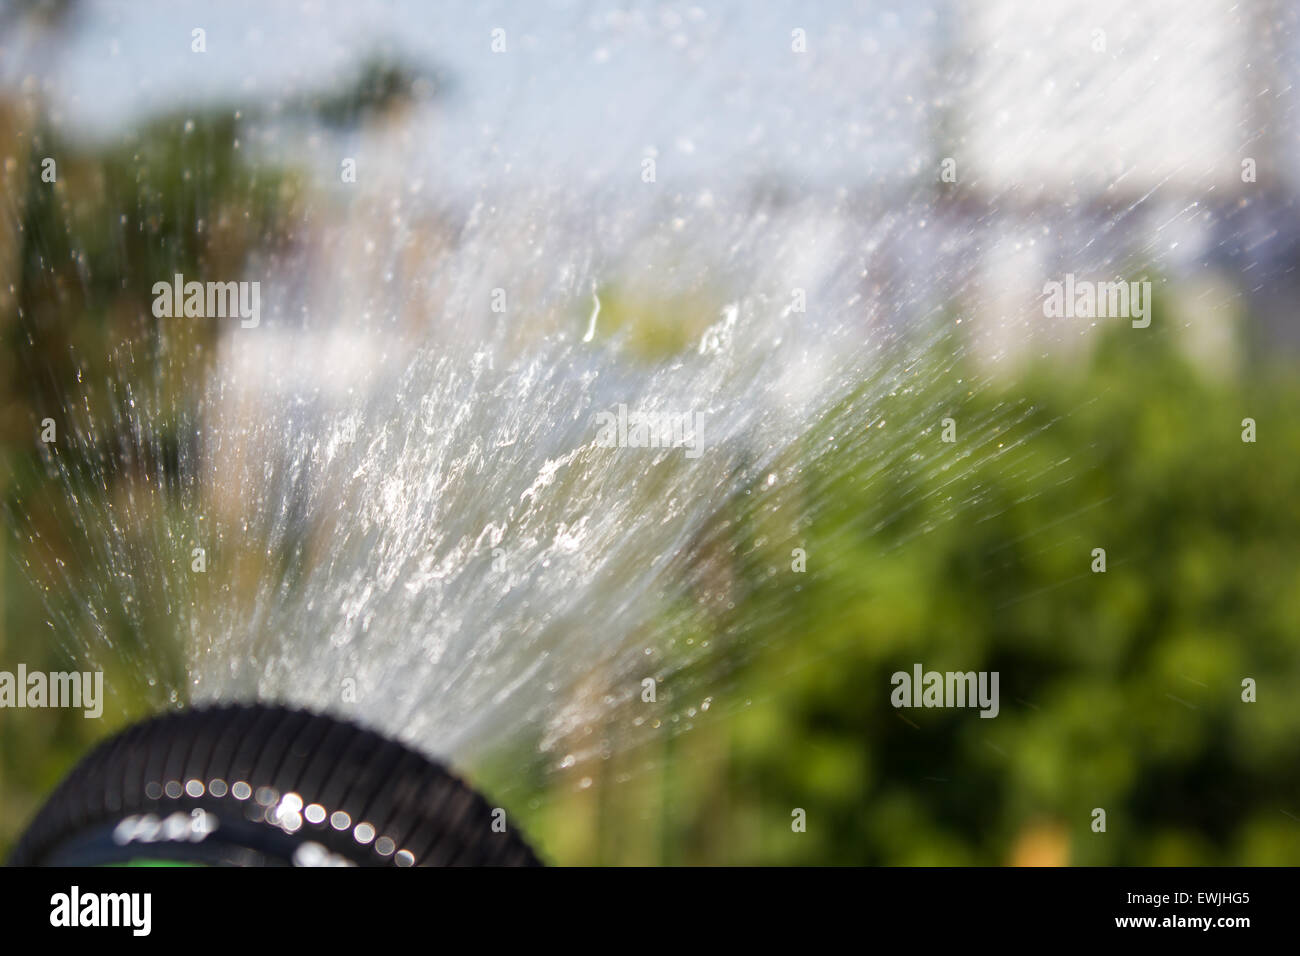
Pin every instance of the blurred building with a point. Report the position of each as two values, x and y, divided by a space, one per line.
1098 136
1079 99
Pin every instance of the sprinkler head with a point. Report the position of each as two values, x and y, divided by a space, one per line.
257 785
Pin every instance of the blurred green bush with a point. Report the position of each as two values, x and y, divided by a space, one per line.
1120 690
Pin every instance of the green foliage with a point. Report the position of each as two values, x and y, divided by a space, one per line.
381 84
1120 690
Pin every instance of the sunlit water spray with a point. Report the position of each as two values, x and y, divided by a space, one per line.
422 526
391 498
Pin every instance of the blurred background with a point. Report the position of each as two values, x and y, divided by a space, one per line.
1152 141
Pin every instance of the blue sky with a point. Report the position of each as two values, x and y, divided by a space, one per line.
713 87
